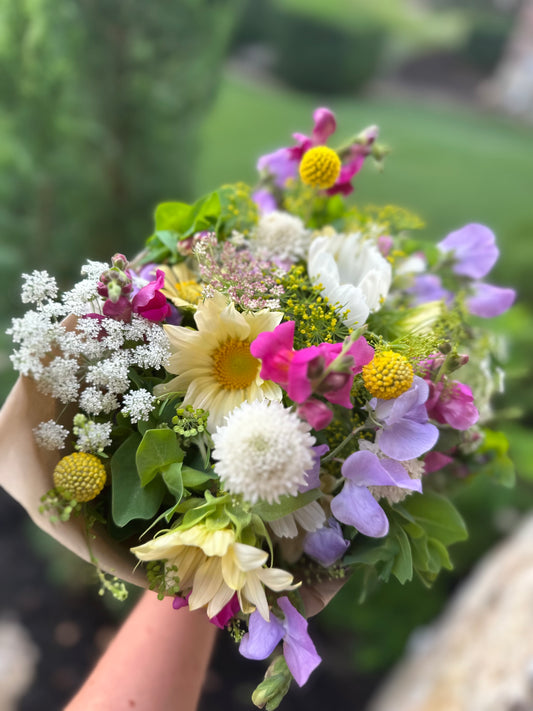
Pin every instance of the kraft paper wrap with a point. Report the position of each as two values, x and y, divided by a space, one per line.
26 474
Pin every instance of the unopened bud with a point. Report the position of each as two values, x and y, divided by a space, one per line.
333 382
119 261
315 367
273 688
114 291
445 347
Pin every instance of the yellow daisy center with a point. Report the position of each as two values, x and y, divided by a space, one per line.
388 375
320 167
188 291
235 368
80 475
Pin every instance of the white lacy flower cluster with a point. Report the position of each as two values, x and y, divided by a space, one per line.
75 354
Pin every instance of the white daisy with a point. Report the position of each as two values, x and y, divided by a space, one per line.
352 273
264 452
214 366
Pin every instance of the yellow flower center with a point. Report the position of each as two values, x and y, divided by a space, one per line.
80 475
235 368
188 291
320 167
388 375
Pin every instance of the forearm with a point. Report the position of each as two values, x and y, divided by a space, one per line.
157 660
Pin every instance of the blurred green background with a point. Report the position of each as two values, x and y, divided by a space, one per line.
108 108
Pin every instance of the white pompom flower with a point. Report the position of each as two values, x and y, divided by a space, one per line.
263 452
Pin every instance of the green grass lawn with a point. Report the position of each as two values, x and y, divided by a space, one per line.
450 165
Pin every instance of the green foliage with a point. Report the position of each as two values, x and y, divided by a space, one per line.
421 529
274 687
317 56
128 500
158 450
286 505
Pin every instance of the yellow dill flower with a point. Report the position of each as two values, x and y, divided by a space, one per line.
388 375
80 475
320 167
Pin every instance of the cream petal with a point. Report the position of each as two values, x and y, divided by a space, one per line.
310 517
165 546
233 576
249 557
254 592
245 605
221 598
262 321
187 563
284 527
276 579
207 581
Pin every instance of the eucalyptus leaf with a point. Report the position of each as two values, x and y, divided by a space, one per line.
193 478
173 480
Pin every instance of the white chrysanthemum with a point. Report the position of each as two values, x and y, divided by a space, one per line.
352 273
215 368
138 404
263 452
279 234
50 435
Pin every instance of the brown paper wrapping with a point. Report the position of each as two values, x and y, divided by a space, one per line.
26 474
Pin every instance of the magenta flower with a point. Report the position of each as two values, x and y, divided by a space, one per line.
298 648
304 373
452 403
356 505
227 613
120 310
151 303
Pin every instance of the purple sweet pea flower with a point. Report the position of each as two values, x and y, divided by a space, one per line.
489 301
356 505
298 649
327 544
428 287
474 250
405 432
312 480
151 303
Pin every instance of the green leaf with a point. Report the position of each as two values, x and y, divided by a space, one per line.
402 567
172 217
129 500
173 480
158 449
286 505
193 478
438 516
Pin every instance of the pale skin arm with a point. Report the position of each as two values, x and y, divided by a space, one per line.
157 660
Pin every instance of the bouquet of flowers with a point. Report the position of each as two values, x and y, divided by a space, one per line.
279 389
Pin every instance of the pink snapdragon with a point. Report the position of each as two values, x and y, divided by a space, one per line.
327 370
452 403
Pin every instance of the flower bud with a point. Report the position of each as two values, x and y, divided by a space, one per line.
119 261
114 291
333 382
274 686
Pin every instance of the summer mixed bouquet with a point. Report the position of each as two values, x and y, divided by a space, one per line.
279 389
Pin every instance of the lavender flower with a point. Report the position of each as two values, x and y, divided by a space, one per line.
404 430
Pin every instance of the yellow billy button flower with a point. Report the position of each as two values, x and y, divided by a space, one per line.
388 375
320 167
80 475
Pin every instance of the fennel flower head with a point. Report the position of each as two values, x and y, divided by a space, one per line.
214 366
351 273
263 452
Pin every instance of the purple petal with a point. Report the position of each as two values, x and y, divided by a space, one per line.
327 544
407 439
356 507
489 301
364 468
428 287
262 637
392 411
312 476
325 125
400 475
265 201
280 164
298 648
474 249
